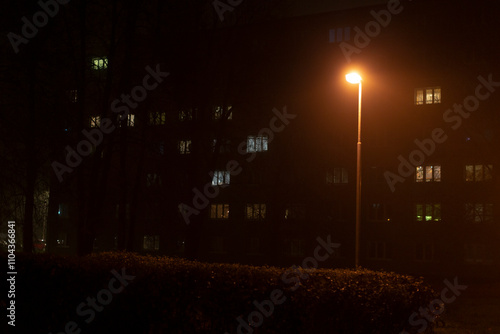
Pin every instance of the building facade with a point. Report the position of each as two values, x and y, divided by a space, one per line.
246 151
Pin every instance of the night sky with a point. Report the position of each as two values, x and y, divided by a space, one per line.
299 7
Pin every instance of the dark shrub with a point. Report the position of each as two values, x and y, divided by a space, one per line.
170 295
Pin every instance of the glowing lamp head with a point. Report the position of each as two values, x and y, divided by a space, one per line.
353 78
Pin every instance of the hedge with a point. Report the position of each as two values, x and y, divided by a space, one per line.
172 295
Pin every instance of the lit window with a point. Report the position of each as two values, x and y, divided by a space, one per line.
295 211
219 211
476 173
478 213
130 120
378 250
219 113
186 115
99 63
151 242
95 121
184 146
329 178
430 95
255 211
157 118
221 178
256 143
419 97
424 251
428 173
427 212
379 212
153 180
437 95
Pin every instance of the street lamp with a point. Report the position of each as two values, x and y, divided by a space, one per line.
355 78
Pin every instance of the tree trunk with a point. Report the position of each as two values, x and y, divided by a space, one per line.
31 169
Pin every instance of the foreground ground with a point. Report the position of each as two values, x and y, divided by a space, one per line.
476 311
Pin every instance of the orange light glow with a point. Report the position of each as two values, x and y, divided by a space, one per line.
353 78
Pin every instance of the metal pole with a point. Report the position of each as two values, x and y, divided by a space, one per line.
358 181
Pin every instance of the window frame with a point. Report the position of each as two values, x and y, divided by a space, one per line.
224 147
95 121
255 211
157 118
153 180
435 208
219 211
483 253
338 175
184 146
218 112
221 178
479 213
257 144
73 95
152 241
474 173
63 211
424 173
96 63
130 120
295 212
427 96
294 247
62 239
186 115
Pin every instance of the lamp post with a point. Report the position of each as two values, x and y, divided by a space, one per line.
355 78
